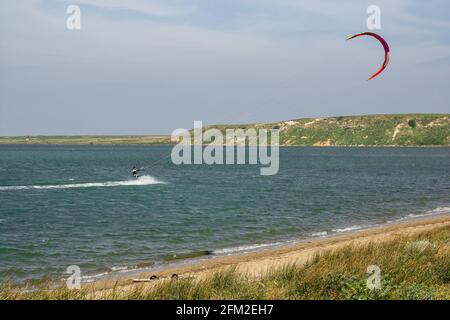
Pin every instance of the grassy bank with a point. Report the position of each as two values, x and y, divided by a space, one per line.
371 130
414 267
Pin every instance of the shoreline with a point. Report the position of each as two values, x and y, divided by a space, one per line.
156 144
254 264
194 257
188 260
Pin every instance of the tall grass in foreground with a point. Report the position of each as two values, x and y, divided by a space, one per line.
411 268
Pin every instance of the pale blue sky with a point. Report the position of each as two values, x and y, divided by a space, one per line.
148 67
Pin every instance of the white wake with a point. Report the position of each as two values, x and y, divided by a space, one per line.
142 181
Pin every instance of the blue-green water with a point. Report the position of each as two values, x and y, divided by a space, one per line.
77 205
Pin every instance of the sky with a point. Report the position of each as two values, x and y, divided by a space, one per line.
153 66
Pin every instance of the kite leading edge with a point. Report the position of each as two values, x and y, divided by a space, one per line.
385 46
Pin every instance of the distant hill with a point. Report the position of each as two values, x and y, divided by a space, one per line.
370 130
86 140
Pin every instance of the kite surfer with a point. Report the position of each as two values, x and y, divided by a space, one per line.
135 172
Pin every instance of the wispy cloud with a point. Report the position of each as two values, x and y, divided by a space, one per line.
146 7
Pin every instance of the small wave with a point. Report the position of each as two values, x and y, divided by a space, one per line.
440 210
243 249
94 277
351 228
142 181
104 273
435 212
319 234
122 268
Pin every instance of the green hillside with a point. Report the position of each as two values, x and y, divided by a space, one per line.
372 130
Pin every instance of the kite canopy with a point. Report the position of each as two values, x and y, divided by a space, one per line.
385 46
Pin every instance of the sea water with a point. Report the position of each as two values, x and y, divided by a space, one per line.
79 205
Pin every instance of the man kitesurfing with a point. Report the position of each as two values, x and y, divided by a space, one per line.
135 172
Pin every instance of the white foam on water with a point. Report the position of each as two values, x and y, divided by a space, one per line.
434 212
122 268
351 228
142 181
243 249
92 278
319 234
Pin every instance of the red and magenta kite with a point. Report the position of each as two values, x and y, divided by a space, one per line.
385 46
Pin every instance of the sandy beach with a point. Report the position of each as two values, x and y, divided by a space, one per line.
257 263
